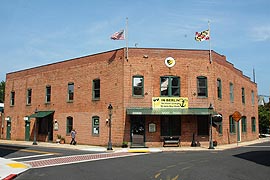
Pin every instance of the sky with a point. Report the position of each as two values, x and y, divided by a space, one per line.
39 32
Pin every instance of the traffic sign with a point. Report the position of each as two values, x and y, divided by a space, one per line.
236 116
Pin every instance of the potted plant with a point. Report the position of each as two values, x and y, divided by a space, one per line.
62 140
215 143
58 138
124 144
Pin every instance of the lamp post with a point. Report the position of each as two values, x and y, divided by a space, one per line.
211 123
35 129
110 127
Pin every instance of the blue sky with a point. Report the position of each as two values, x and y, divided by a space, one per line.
38 32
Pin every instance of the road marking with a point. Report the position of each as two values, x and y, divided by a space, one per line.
76 159
184 168
29 150
157 175
27 157
176 177
258 146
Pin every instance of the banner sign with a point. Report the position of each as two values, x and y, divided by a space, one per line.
169 102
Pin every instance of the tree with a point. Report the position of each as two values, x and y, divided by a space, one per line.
264 122
2 91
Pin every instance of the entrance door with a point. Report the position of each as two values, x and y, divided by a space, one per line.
27 130
137 131
8 130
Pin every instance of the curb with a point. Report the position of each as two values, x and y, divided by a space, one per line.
10 177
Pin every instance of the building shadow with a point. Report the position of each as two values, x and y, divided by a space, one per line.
9 149
259 157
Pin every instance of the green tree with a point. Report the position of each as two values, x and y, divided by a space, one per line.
2 91
264 122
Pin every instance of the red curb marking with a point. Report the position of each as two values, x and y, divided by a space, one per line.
11 176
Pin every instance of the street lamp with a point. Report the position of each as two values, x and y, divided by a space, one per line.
211 123
110 108
35 128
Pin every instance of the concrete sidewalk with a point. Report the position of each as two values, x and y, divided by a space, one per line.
10 169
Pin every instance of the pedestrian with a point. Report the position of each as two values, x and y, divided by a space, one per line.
73 136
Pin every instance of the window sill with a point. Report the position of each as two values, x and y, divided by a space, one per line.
137 97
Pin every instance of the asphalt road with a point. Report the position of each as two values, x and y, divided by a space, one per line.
243 163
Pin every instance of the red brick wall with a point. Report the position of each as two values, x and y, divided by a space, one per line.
115 74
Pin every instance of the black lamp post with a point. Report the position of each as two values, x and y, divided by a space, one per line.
110 108
35 128
211 123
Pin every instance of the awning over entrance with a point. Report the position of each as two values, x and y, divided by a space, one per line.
41 114
168 111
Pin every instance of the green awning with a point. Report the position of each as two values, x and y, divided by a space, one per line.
41 114
168 111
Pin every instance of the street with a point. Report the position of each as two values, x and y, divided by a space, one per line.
247 163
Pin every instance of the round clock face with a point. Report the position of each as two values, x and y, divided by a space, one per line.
170 62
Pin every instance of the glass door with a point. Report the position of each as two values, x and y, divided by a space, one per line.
137 131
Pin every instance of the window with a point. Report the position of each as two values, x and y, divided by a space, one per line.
96 89
69 124
95 125
243 96
220 131
219 92
231 93
232 125
29 96
244 124
48 94
202 86
252 97
137 86
70 91
203 125
170 126
253 124
12 98
170 86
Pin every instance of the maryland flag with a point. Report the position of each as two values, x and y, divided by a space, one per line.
202 36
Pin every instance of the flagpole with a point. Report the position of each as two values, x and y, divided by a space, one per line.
126 37
210 53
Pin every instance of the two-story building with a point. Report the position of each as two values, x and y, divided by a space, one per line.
154 93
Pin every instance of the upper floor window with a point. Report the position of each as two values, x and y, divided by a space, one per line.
231 92
29 96
48 94
12 98
69 124
70 91
202 86
137 86
243 96
170 86
219 90
96 89
252 97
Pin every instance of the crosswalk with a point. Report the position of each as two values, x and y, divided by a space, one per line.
40 163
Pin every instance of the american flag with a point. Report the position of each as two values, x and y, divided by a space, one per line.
118 35
201 36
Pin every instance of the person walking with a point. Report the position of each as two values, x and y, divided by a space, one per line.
73 136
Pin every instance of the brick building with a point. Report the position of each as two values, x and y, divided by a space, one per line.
154 93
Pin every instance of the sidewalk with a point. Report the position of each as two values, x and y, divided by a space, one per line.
10 169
